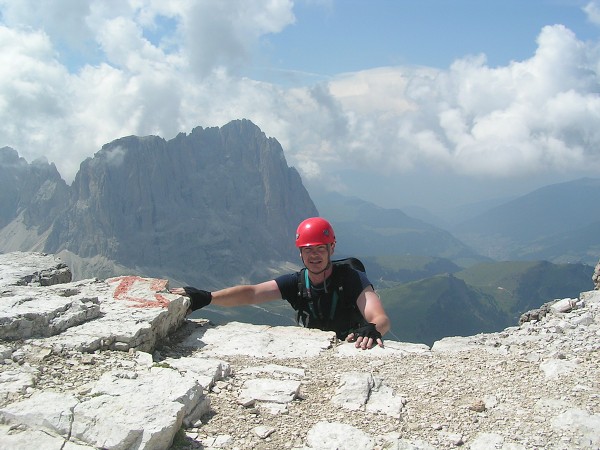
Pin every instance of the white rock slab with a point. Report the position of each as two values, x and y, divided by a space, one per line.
135 313
28 439
555 368
24 268
157 385
206 370
353 391
384 400
17 381
42 312
339 436
123 410
275 370
268 390
564 305
585 425
51 411
260 341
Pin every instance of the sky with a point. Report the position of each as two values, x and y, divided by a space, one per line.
400 102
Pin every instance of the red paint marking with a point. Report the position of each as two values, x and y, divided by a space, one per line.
125 285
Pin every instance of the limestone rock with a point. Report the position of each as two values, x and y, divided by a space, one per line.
259 341
138 375
25 268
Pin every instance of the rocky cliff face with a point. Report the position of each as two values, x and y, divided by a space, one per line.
114 364
32 196
207 208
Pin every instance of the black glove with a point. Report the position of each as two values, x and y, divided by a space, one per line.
199 298
368 331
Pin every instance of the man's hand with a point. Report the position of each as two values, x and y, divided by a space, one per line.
199 298
366 337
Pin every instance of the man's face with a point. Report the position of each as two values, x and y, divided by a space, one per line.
315 257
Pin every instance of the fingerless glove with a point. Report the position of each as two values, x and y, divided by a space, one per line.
368 331
199 298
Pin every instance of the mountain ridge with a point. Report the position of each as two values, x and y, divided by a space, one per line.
207 208
530 225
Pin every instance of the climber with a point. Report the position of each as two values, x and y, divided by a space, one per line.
326 294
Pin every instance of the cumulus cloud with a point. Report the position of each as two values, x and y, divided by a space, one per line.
64 20
223 34
529 116
166 67
139 85
592 9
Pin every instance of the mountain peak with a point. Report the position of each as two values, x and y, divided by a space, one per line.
209 207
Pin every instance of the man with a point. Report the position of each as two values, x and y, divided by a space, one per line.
327 296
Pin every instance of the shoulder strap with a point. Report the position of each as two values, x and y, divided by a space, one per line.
304 307
334 301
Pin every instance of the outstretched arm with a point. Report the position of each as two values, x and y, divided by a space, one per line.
251 294
233 296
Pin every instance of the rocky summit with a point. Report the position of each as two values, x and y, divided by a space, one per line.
115 364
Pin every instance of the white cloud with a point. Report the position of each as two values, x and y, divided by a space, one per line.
140 88
592 9
224 34
61 19
115 156
168 67
530 116
32 95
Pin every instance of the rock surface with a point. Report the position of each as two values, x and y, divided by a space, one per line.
114 364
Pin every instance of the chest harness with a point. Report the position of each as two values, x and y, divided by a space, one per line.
316 305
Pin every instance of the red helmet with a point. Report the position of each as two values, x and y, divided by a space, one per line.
314 231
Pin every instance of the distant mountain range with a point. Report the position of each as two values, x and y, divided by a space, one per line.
365 229
220 206
559 223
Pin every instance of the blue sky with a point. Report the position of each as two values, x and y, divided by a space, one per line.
419 102
355 35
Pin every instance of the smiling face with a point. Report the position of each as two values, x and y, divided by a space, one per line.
316 258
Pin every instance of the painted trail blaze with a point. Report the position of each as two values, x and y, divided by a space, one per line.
138 290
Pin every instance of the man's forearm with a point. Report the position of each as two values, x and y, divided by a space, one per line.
382 323
234 296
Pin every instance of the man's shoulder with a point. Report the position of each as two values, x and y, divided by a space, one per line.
348 276
288 277
344 272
